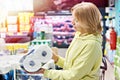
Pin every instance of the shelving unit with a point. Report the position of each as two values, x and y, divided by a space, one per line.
117 61
63 31
39 42
117 55
24 76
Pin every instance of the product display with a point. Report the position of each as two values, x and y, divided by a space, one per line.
40 42
17 48
117 60
24 24
5 68
63 31
117 26
9 62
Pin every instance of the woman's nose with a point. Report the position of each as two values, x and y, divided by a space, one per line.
73 22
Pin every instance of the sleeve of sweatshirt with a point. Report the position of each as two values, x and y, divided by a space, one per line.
60 62
82 66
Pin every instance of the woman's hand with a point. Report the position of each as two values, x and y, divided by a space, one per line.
55 54
40 71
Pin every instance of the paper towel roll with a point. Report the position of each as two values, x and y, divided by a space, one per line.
44 53
31 65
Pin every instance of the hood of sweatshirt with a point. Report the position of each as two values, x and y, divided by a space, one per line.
87 36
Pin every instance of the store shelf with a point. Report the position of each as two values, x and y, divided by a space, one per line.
21 75
17 39
63 33
117 61
39 42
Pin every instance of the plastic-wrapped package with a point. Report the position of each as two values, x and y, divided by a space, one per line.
3 50
36 58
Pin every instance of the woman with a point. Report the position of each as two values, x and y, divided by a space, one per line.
84 55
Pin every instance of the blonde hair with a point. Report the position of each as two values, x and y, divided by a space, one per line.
89 17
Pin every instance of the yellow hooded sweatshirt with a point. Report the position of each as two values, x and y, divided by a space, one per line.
82 61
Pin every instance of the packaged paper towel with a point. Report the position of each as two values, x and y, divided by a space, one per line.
5 68
36 58
2 44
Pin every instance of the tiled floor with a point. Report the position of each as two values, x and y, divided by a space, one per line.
109 74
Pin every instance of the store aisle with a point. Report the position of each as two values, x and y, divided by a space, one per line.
109 74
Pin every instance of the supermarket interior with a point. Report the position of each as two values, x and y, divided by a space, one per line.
26 24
